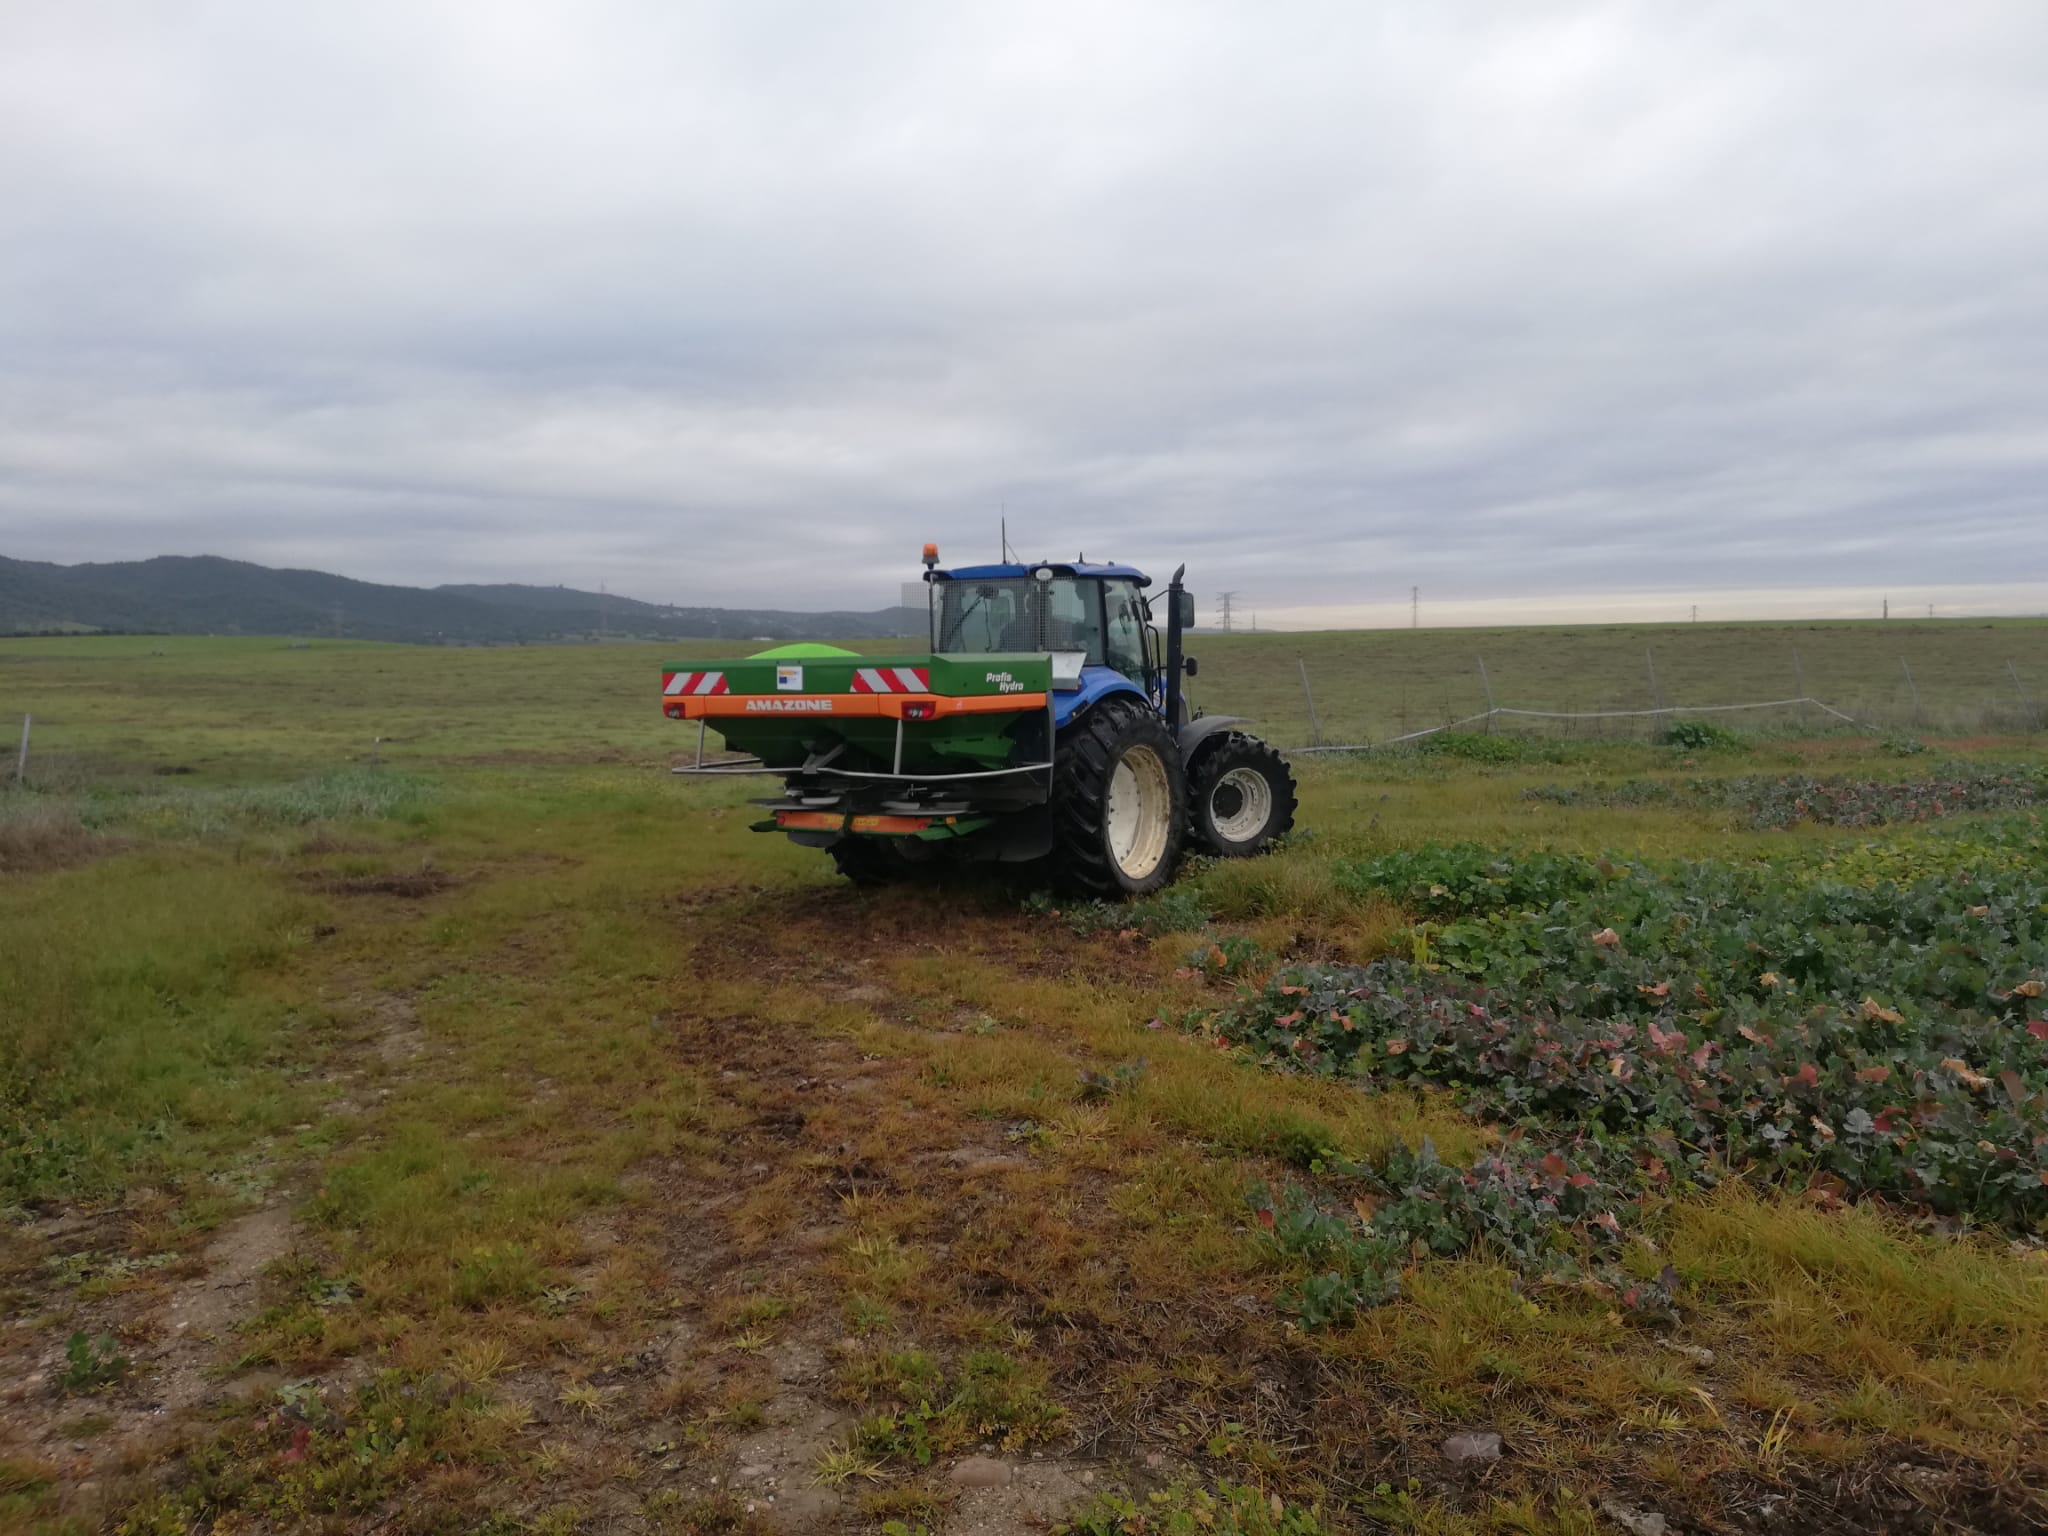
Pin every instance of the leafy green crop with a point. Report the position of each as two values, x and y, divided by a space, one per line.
1949 791
1701 736
1184 1509
1882 1035
1171 911
1540 1211
991 1397
91 1363
1774 803
1233 955
1474 748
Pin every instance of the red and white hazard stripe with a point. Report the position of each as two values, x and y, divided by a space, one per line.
892 680
693 682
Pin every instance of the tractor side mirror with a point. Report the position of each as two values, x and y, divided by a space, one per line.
1184 609
1188 666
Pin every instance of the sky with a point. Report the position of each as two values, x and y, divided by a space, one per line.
1552 311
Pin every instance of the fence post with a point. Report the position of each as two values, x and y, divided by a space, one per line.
1799 684
1315 729
2017 687
1915 687
1656 698
21 762
1486 683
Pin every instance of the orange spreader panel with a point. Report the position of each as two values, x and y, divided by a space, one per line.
849 706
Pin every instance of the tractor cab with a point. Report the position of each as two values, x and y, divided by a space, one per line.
1093 620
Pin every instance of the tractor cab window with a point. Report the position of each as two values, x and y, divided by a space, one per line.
1124 638
1072 622
1018 614
974 616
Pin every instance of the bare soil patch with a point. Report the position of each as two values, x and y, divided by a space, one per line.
207 1306
410 885
44 838
172 1332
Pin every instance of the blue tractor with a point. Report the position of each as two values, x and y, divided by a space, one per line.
1048 723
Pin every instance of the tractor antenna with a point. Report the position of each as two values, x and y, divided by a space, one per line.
1223 602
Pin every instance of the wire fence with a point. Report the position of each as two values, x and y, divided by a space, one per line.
1487 717
1996 701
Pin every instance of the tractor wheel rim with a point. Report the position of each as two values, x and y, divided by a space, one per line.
1138 814
1240 805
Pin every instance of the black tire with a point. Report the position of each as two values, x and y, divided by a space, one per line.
1086 855
1232 781
870 860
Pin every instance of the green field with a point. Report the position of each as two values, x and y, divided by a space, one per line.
420 1112
1369 685
250 705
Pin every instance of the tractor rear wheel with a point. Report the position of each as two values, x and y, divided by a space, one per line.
1243 796
1120 800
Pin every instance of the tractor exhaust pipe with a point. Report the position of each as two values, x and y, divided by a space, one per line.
1174 604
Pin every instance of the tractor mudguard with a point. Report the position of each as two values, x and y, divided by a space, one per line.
1197 732
1097 683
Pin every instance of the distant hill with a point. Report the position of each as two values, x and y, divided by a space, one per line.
206 595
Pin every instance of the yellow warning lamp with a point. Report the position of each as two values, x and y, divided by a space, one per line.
931 556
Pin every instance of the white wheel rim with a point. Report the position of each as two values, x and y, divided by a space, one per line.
1240 805
1139 813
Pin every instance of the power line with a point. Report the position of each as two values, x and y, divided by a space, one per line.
1415 607
1223 614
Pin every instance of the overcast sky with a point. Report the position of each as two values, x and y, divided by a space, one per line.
1548 309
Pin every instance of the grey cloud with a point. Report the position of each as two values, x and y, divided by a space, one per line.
745 302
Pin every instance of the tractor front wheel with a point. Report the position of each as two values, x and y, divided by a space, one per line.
1243 794
1119 800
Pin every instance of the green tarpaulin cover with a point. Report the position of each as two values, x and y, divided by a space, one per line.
799 651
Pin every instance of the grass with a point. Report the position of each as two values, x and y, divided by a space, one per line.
139 1036
262 710
1369 685
594 1112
